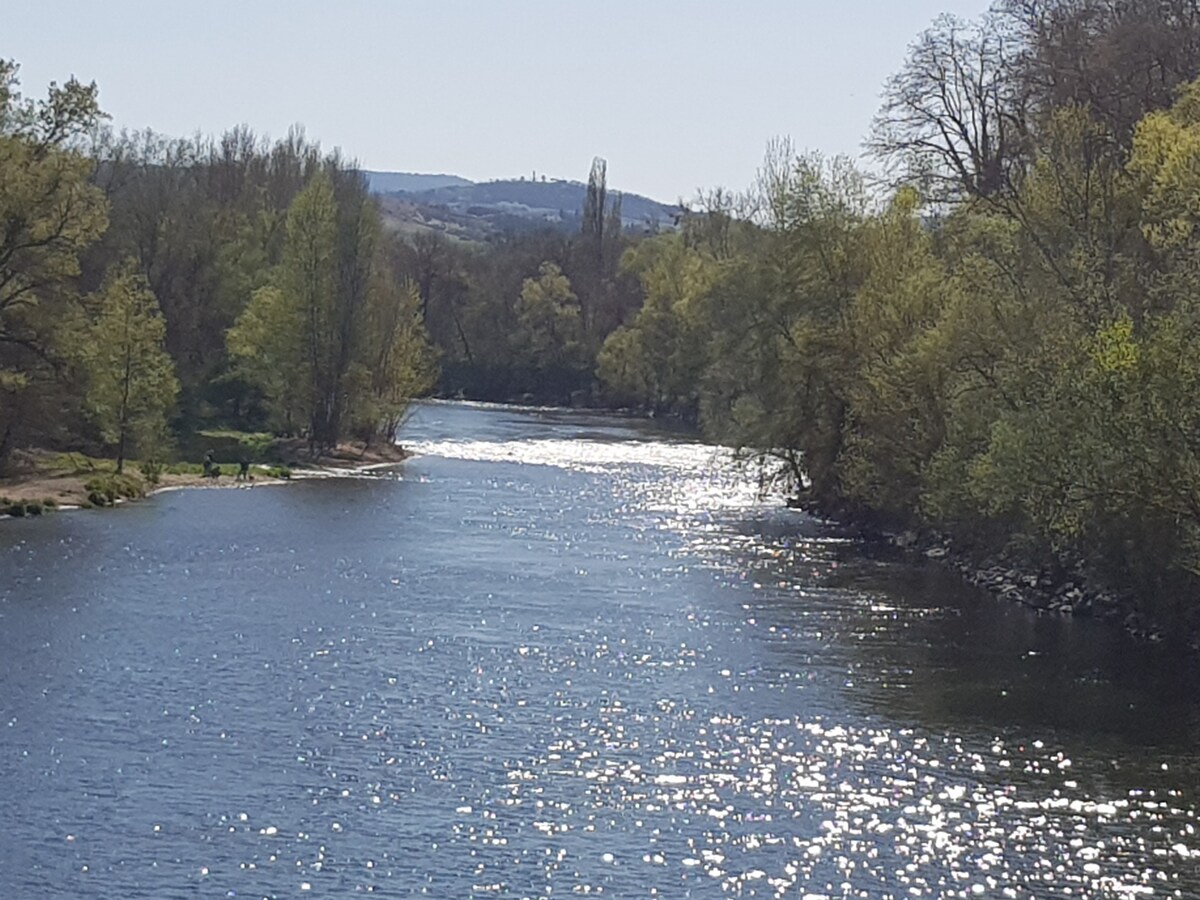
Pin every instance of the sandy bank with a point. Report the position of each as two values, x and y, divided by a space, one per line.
42 482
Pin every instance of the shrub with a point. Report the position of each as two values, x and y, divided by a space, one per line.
105 490
21 508
151 470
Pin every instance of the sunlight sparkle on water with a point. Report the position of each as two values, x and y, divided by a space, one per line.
590 662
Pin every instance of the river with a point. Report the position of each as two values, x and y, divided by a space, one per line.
560 653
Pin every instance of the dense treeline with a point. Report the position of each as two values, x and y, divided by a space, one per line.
1005 343
151 286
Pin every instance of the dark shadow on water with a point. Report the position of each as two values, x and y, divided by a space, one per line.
925 647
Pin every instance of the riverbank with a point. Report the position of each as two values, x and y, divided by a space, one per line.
242 653
1070 591
1045 584
43 481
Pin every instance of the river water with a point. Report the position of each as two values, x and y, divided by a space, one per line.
560 653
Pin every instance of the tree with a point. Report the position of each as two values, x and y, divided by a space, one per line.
896 417
656 359
49 214
285 338
784 353
333 342
206 220
398 356
1118 58
595 213
129 377
267 347
308 280
358 233
599 252
953 118
549 317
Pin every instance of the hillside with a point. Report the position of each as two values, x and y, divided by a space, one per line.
475 211
387 182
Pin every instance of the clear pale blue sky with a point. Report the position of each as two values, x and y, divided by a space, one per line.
676 95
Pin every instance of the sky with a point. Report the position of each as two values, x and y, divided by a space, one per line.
677 96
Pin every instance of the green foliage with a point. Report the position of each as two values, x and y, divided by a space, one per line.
498 339
548 316
106 490
221 235
226 444
49 214
897 411
655 360
1011 354
266 346
334 342
282 340
129 377
151 470
397 363
1021 371
78 465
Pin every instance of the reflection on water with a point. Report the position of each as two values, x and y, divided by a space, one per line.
559 653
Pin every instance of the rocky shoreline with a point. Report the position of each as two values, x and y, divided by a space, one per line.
1070 595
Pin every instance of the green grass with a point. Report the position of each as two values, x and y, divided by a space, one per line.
254 441
228 468
185 468
105 487
79 464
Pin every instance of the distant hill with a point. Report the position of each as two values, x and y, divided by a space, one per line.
475 211
387 182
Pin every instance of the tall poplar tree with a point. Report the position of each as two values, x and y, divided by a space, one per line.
282 339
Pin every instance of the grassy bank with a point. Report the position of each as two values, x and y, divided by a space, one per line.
40 481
